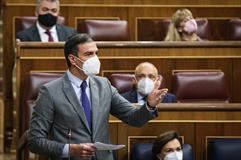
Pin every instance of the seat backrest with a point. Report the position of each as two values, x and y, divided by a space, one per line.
32 85
200 86
204 30
156 29
224 149
234 29
34 81
107 30
152 29
24 22
124 82
144 152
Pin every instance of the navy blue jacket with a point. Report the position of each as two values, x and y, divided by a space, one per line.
131 96
32 34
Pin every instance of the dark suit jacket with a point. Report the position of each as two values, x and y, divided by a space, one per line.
57 110
32 34
131 96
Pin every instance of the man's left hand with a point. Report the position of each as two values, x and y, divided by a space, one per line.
156 96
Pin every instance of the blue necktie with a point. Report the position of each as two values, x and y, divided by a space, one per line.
144 98
86 103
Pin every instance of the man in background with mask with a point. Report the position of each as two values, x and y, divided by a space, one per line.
72 112
146 76
46 28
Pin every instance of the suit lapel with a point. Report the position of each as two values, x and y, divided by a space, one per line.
95 106
133 95
60 33
35 34
73 99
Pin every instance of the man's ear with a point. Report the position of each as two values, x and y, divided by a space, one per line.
58 13
36 13
71 59
134 82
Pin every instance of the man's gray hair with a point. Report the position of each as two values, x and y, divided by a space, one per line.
38 2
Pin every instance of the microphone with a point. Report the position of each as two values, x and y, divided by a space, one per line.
69 135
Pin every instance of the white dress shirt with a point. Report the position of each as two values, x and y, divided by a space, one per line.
44 37
76 83
140 99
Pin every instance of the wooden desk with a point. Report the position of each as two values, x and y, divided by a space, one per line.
124 56
1 126
132 11
195 125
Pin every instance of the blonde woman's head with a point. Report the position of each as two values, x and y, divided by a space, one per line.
179 18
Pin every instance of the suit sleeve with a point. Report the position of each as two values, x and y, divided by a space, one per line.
41 122
127 112
174 99
22 36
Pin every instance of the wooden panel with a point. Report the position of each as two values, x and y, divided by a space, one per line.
203 130
79 22
139 2
205 121
129 135
237 82
124 56
155 28
1 126
194 134
127 11
119 57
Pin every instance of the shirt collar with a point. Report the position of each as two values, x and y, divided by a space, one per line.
75 80
42 30
139 97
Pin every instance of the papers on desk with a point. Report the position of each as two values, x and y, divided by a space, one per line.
104 146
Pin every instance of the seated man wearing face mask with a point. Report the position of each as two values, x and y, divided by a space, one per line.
146 76
46 29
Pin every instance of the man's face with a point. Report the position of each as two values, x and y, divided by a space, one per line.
86 51
146 71
48 7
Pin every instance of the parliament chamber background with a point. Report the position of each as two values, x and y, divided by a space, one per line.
197 123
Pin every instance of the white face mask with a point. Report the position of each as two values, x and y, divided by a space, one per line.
145 86
91 66
176 155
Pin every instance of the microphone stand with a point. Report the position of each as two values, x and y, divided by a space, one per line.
69 135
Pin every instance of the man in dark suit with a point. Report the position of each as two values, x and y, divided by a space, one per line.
145 76
46 29
72 112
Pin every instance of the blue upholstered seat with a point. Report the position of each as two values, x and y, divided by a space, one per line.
144 152
224 149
